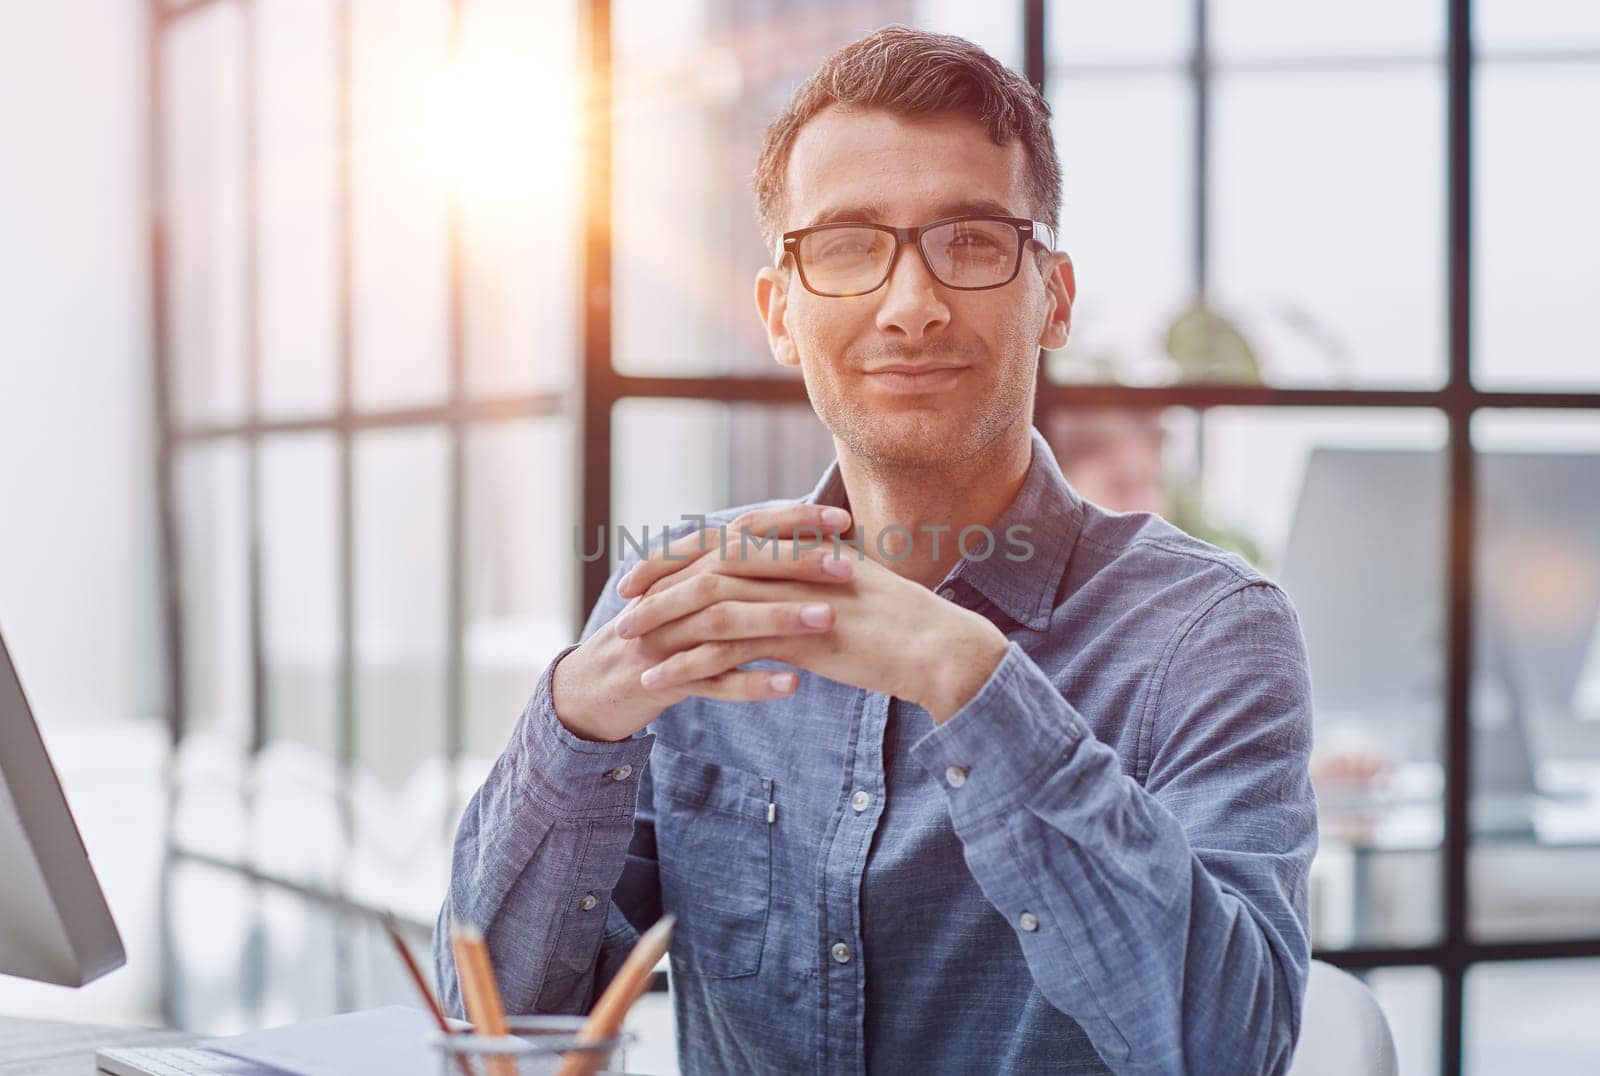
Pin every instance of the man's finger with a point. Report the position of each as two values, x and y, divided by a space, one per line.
745 685
669 601
742 620
708 659
787 521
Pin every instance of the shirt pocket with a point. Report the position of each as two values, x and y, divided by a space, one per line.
714 854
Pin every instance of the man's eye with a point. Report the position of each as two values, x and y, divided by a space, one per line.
974 239
843 248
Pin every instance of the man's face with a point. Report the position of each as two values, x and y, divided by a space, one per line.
916 170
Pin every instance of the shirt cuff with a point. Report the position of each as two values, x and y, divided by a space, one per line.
573 776
993 752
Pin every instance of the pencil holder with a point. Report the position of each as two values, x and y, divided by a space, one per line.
535 1047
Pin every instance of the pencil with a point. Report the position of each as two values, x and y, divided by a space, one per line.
422 984
478 990
630 983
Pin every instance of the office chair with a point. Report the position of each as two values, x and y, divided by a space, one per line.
1343 1032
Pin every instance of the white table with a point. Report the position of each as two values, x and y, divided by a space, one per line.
49 1048
52 1048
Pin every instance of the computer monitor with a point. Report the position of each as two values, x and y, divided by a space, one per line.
54 923
1365 566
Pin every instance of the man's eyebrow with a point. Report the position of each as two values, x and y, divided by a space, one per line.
871 211
874 212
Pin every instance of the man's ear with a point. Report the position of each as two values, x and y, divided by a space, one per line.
1061 290
772 302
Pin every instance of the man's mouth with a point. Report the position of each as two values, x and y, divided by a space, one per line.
912 378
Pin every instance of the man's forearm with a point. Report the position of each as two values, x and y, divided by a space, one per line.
540 849
1179 944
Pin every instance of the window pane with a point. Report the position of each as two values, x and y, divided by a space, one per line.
212 547
1082 33
1345 509
1357 28
1536 677
203 215
1504 25
1331 268
402 562
211 923
210 812
401 565
296 66
1126 151
296 824
687 132
1532 1017
377 977
653 488
300 943
516 173
1409 998
996 28
721 455
300 589
398 213
297 828
521 576
1537 225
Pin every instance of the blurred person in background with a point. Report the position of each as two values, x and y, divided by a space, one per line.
1116 457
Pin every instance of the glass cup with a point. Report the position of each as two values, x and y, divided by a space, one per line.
535 1047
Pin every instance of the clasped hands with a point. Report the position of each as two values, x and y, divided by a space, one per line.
779 588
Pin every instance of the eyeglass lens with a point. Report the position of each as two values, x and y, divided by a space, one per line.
962 254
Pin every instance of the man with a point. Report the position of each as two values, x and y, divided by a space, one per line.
1043 809
1115 457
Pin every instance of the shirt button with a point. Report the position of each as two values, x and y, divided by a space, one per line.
621 773
955 776
841 952
1028 921
860 800
948 594
588 902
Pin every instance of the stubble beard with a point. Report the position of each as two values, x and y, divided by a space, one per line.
932 435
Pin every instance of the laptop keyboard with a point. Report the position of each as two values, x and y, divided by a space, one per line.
174 1061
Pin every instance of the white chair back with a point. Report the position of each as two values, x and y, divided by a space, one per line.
1343 1032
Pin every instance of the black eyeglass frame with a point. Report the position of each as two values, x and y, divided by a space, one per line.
1035 230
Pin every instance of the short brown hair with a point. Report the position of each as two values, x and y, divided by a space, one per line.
915 73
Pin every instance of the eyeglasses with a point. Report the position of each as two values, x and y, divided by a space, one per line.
968 253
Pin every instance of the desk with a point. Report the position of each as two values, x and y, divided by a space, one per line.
48 1048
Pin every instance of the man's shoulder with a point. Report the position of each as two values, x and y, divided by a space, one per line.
1148 552
1138 572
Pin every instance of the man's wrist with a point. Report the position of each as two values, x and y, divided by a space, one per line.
960 668
564 701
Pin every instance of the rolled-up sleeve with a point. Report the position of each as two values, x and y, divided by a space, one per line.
1166 912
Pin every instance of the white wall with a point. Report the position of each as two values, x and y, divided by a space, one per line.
77 523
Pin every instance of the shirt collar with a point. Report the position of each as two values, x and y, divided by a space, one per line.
1024 589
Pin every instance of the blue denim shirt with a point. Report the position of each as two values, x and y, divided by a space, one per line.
1099 863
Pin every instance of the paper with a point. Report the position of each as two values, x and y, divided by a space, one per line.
394 1040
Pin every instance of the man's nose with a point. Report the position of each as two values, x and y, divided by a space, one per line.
911 302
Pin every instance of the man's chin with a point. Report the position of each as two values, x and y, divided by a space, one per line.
911 439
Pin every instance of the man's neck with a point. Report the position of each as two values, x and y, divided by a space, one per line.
934 504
